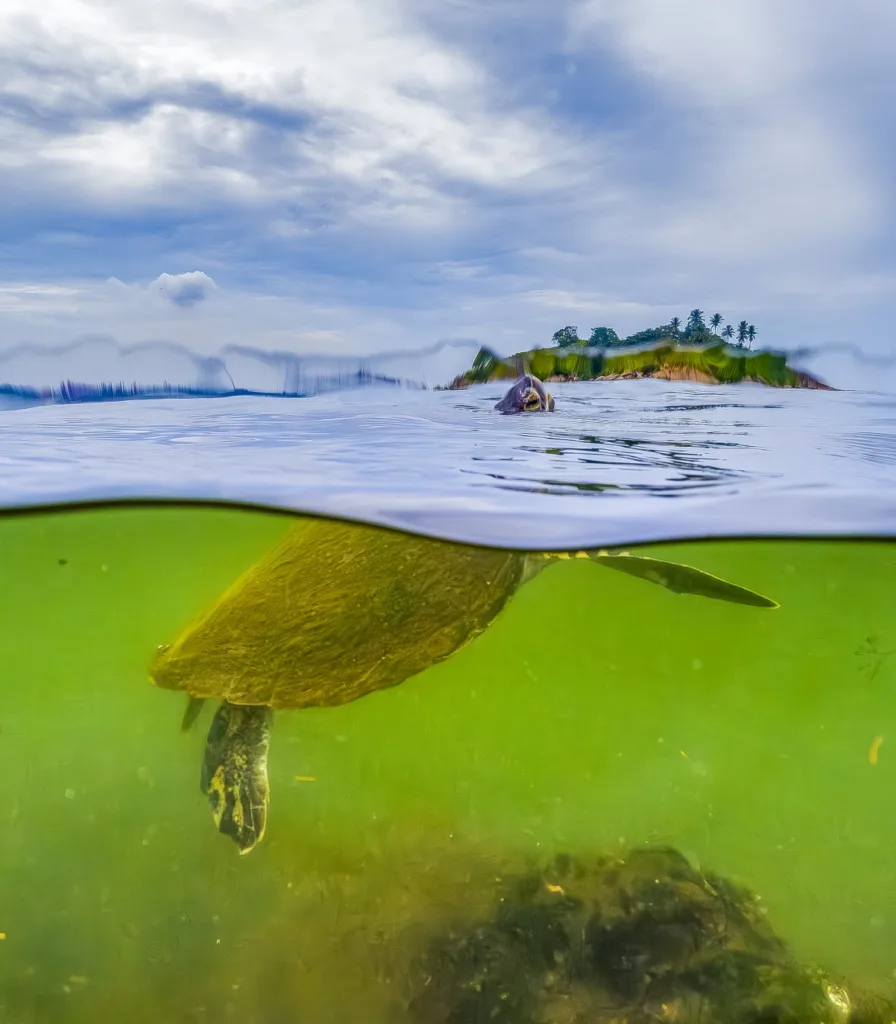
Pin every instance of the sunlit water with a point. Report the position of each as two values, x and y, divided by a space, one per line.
597 714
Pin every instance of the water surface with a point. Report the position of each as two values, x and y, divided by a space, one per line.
617 462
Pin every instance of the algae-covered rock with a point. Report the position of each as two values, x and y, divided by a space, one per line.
637 939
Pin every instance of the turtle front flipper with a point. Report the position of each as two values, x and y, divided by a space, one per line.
681 579
235 772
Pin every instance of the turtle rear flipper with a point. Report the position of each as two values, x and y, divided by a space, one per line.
191 712
235 772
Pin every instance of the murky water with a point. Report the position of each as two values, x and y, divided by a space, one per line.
597 714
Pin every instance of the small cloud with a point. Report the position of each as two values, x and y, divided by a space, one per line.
185 290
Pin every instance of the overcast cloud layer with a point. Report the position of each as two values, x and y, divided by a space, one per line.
349 176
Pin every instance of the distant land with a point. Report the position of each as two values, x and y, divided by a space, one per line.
695 353
96 369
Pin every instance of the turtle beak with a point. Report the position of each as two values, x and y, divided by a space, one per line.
531 400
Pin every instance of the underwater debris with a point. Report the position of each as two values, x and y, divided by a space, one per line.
875 750
636 940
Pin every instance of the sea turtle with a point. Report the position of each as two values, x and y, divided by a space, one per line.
527 395
335 611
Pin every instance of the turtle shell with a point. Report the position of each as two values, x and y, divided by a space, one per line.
336 611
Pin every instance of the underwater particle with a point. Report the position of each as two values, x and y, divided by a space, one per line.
2 936
839 997
69 794
875 748
104 568
304 778
63 561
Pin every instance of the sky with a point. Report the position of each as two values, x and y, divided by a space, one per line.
352 176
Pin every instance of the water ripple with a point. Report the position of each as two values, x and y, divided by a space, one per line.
616 463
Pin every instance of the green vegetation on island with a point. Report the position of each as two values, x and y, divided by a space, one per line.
696 352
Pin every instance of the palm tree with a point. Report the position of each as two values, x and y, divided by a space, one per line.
728 332
696 321
715 320
751 334
675 324
742 329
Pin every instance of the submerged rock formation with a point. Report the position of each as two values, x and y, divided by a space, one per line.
639 939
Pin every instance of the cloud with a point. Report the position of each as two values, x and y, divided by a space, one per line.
360 174
768 162
174 104
185 290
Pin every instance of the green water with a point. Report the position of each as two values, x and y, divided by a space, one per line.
597 713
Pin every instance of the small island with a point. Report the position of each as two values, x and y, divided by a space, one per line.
697 352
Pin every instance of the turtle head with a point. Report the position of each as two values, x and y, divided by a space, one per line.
527 395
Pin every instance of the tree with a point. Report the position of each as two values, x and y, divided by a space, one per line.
603 337
728 332
742 329
566 336
715 320
675 324
650 335
696 323
751 334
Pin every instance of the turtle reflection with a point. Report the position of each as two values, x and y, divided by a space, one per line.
336 611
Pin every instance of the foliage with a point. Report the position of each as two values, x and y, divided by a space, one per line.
652 334
696 323
566 336
696 351
603 337
718 362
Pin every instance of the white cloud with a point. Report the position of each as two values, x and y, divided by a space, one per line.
172 102
592 303
185 290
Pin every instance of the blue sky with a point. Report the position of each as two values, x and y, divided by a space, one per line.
352 175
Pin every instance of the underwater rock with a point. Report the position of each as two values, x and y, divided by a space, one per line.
640 939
